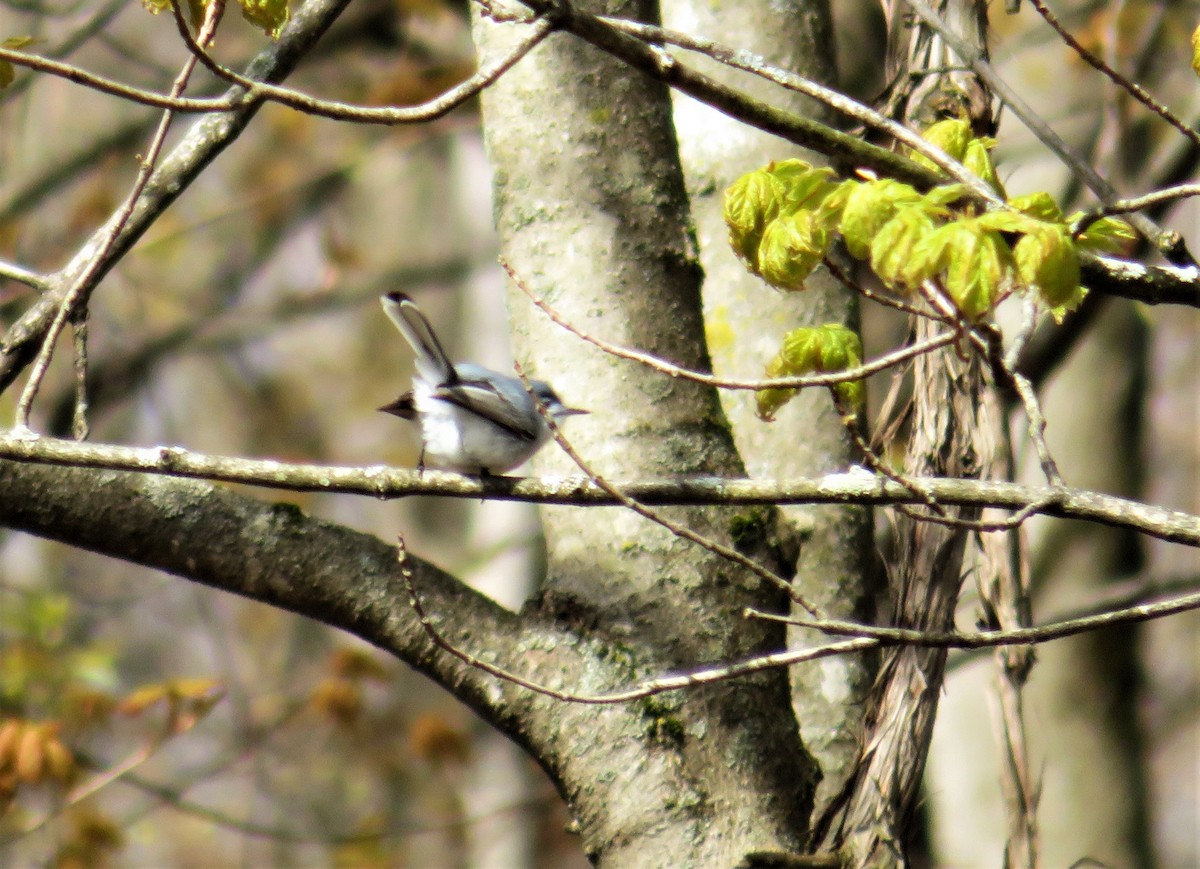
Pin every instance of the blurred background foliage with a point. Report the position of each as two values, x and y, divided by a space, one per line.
198 729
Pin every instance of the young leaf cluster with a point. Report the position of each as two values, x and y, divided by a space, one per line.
783 220
827 349
269 16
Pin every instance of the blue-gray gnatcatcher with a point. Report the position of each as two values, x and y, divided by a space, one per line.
473 420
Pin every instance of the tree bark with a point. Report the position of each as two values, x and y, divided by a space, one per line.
595 219
746 320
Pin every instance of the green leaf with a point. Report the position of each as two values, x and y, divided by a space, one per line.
269 16
975 278
1009 221
952 135
792 246
894 249
800 353
829 212
195 9
805 186
946 194
751 203
868 207
1196 50
7 73
826 349
1048 262
1040 205
1060 311
841 350
1108 234
975 263
768 401
978 161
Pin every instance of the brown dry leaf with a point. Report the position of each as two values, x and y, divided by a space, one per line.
436 740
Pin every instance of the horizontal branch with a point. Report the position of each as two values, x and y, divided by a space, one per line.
854 487
989 639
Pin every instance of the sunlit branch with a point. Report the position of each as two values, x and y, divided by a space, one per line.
755 65
850 374
989 639
338 111
22 275
854 487
1134 89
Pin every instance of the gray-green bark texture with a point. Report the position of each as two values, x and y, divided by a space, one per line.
593 215
746 321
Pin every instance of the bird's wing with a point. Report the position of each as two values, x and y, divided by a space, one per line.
490 401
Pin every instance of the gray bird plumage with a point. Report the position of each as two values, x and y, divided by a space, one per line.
473 420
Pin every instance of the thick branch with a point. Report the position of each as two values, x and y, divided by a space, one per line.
268 552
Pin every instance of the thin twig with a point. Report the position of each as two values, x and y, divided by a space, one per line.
79 335
700 676
22 275
1137 203
885 299
865 637
682 531
989 639
430 110
154 99
859 372
989 341
1133 88
76 297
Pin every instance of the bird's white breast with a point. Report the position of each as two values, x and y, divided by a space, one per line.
456 439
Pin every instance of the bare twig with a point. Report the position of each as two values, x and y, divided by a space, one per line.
682 531
700 676
79 424
850 374
390 116
154 99
74 303
991 639
1133 88
865 637
22 275
1137 203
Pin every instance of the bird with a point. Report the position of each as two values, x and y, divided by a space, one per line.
473 420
